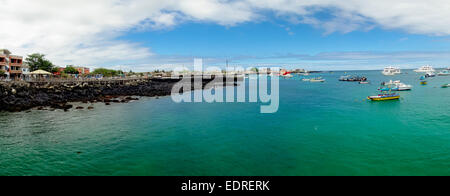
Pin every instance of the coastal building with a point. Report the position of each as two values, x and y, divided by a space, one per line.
11 64
81 70
25 69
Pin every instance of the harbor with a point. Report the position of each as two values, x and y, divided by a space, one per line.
327 128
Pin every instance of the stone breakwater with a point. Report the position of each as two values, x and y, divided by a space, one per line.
20 96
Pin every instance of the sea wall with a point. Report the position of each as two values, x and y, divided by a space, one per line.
20 96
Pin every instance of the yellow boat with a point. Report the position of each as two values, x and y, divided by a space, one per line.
384 97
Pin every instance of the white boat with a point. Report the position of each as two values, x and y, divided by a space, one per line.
425 69
391 83
390 71
430 74
396 86
444 73
317 80
306 80
288 76
403 87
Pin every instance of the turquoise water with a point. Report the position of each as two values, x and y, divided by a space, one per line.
320 129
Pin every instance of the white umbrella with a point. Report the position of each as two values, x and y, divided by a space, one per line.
40 72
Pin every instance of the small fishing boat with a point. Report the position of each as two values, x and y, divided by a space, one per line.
317 80
446 86
430 75
384 97
444 73
403 87
353 79
398 87
288 76
391 83
423 80
364 82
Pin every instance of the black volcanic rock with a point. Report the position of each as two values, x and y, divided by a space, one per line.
21 96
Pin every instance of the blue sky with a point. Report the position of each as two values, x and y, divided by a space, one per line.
284 43
143 35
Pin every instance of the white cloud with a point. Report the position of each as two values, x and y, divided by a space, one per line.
84 32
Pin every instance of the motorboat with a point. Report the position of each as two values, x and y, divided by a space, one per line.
353 79
430 74
317 80
391 71
396 86
390 83
365 82
444 73
306 79
446 86
423 80
384 97
403 87
288 76
425 69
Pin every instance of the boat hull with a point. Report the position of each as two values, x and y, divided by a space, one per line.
380 98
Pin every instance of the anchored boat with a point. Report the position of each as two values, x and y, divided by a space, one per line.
446 86
400 87
317 80
444 73
423 80
384 97
430 75
353 79
425 69
390 71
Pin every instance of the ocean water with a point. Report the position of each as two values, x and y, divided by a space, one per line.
320 129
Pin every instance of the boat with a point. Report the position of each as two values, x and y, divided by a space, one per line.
444 73
391 71
317 80
353 79
403 87
423 80
365 82
430 74
446 86
390 83
398 87
288 76
425 69
384 97
306 79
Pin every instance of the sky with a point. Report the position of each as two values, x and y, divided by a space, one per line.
143 35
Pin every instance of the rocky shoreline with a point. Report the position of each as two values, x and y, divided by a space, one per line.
21 96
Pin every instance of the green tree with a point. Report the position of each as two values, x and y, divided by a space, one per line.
55 70
2 72
107 72
71 70
38 61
